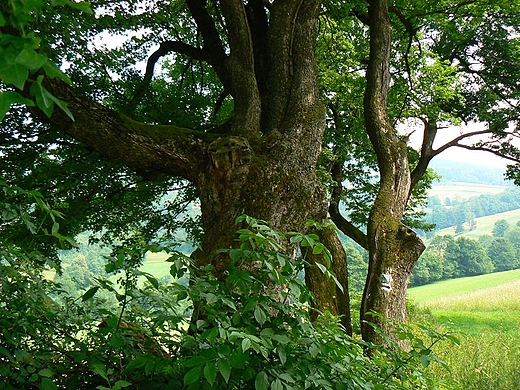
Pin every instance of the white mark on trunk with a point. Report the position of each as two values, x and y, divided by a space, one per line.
386 280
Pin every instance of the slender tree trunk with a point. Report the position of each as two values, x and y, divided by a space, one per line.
393 247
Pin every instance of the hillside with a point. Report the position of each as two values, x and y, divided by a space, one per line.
484 225
447 289
483 312
464 190
453 172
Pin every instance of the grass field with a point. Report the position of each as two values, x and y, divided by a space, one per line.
468 190
485 311
447 289
463 190
484 224
156 264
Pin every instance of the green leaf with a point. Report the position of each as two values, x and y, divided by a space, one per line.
152 280
260 315
286 377
224 368
228 302
317 249
101 370
42 96
246 344
211 298
121 384
46 100
237 359
296 239
314 350
137 363
62 105
117 341
195 361
321 267
277 385
10 97
282 355
210 372
52 71
46 372
90 293
16 75
425 360
193 375
31 59
2 20
235 254
47 384
261 381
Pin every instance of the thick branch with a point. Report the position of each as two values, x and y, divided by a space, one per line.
279 62
378 126
244 88
149 148
335 215
496 152
456 141
213 48
427 153
259 23
165 48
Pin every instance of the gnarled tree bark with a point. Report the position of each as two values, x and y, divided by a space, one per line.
265 164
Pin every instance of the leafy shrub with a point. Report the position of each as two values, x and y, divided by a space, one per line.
250 329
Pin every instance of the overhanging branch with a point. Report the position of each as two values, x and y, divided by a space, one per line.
335 215
164 49
150 148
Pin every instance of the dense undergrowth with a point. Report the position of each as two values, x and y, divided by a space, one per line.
251 331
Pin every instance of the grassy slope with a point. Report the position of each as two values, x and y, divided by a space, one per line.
485 224
423 295
475 304
459 190
485 311
156 264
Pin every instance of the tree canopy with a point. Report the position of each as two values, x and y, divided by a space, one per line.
120 114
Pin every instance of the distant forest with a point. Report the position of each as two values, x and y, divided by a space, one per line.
447 212
469 173
454 212
451 257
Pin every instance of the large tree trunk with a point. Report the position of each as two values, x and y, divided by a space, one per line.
393 247
275 181
265 165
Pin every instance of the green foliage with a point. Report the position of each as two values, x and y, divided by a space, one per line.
251 330
28 211
500 228
446 257
21 59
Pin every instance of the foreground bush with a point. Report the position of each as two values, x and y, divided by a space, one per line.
249 331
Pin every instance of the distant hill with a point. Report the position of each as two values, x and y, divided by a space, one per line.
452 171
